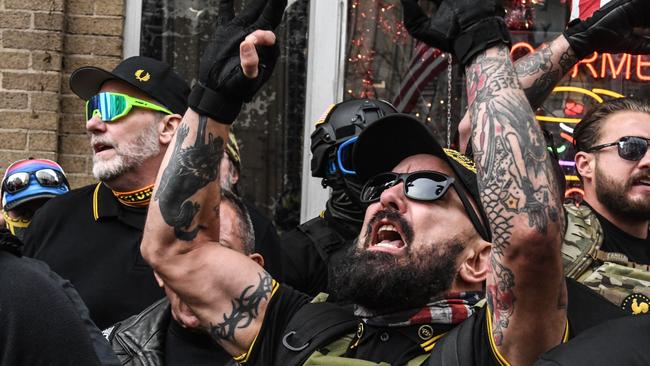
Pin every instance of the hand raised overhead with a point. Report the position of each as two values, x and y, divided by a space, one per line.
465 27
239 60
438 31
612 29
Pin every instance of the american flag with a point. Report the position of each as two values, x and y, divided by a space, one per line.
583 9
425 65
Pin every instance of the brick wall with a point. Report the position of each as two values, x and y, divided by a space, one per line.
43 41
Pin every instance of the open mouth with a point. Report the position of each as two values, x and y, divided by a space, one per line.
98 147
387 236
642 182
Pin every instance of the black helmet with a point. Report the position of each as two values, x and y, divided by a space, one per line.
340 123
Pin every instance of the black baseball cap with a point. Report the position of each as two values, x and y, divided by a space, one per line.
391 139
152 77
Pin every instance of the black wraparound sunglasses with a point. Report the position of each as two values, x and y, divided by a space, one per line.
631 148
423 185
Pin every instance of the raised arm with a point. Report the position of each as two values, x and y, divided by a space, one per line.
226 290
525 290
610 29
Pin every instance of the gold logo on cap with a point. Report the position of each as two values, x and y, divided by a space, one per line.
140 77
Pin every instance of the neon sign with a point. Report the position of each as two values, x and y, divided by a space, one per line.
566 130
602 65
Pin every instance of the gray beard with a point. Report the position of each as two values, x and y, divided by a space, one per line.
128 156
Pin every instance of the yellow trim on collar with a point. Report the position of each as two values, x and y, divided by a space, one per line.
95 202
502 360
243 358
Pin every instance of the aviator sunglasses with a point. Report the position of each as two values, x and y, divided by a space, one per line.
16 182
111 106
631 148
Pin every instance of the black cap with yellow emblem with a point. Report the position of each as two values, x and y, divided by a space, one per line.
152 77
390 139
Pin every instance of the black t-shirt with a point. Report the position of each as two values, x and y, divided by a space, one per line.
184 347
618 241
394 346
303 264
621 341
38 323
89 238
267 242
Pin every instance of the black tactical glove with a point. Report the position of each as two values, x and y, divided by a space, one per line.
481 25
465 27
438 31
610 29
223 88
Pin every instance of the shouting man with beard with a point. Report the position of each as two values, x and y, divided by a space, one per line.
423 258
91 235
608 248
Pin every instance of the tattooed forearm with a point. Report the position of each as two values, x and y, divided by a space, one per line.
542 87
514 173
189 169
245 309
510 149
568 59
535 62
501 297
541 70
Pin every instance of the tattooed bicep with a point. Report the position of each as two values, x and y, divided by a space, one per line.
245 308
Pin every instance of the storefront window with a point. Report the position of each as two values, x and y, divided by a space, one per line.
384 62
270 128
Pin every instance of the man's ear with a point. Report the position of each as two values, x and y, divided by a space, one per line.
167 128
585 164
257 258
159 280
186 317
473 270
234 173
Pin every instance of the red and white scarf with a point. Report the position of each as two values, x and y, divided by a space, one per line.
452 308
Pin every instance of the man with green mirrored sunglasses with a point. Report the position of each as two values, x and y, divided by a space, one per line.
91 236
110 107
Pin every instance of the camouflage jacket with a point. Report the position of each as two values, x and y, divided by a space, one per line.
612 275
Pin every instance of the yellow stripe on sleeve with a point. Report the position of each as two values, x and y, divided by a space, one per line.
243 358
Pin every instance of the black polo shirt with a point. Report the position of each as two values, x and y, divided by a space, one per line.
89 238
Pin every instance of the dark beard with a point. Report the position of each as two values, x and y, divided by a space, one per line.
613 195
380 282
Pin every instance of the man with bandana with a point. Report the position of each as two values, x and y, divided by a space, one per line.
91 235
423 257
26 186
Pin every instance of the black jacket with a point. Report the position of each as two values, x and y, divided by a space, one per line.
141 340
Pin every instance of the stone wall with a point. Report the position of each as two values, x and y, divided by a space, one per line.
42 42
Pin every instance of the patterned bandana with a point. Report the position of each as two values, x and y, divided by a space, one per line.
137 198
452 308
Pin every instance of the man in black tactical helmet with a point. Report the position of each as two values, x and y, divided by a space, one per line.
310 248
